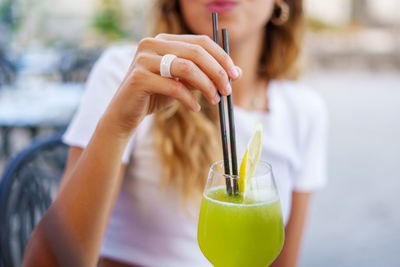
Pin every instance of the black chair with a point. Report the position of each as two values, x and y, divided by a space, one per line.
28 187
8 70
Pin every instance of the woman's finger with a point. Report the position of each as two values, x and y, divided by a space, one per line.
197 54
184 70
171 88
190 72
210 46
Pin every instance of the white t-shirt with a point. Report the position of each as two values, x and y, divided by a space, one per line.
149 227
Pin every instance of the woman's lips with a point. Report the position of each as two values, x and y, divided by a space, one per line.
221 6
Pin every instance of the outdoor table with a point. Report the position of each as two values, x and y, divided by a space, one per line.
48 106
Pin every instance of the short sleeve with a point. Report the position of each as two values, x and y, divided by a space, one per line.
103 82
312 172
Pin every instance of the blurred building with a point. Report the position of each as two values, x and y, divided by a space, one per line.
343 12
352 33
71 21
48 18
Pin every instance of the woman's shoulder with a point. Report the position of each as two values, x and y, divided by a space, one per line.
117 55
109 71
119 51
301 98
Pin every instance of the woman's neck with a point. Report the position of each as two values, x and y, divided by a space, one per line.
246 54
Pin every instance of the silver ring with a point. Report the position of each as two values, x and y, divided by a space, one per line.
165 65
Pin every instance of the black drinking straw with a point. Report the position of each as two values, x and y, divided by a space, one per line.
222 116
231 120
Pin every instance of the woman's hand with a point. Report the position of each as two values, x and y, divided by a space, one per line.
201 64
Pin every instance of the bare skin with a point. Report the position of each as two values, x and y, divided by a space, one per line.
72 230
294 231
80 213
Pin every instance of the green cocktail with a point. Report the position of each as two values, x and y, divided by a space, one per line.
242 230
237 232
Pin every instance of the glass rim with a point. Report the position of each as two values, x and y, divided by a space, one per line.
216 163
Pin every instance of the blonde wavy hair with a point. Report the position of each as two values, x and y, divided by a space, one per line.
188 142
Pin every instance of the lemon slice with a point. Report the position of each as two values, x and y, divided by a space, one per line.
251 157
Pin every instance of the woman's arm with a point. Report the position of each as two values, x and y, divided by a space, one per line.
294 231
71 231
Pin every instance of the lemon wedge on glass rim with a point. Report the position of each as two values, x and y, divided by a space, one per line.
251 157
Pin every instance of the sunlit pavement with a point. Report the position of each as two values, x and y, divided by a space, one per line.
355 220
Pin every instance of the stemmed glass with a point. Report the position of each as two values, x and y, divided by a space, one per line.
244 229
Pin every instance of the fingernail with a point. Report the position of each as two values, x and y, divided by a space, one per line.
234 73
239 70
228 89
216 99
197 108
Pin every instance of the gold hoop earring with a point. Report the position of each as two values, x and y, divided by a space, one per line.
281 13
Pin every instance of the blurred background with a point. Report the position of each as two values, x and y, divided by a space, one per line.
352 58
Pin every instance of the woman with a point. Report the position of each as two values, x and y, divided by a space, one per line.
141 212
